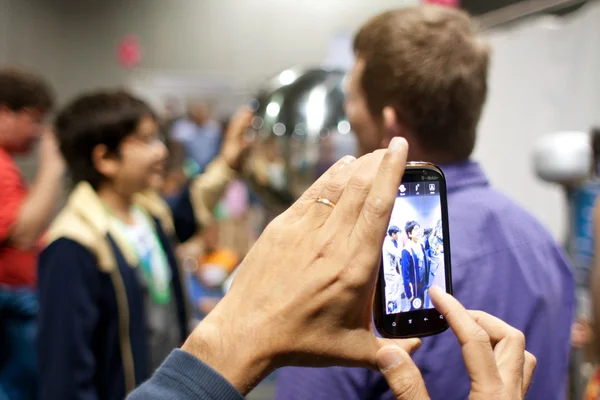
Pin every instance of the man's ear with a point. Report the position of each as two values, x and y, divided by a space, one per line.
391 126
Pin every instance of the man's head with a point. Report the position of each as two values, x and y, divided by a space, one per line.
413 231
421 73
199 111
111 138
393 232
25 99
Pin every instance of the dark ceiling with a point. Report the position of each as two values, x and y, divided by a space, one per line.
478 7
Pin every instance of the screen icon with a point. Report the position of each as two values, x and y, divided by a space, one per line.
417 188
393 324
410 321
402 190
441 317
425 319
432 188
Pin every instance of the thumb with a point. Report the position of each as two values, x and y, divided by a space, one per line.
401 373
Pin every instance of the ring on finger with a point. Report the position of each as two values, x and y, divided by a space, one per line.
327 202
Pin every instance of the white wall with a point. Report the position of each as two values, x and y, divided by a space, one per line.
243 40
545 77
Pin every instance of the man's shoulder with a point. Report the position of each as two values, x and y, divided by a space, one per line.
491 208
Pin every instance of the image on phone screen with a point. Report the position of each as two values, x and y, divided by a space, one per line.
415 256
413 250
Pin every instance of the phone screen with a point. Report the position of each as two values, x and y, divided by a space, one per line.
415 256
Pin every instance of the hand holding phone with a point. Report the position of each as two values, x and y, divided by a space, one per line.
415 256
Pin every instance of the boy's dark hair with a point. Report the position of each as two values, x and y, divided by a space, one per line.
393 229
98 118
410 225
20 90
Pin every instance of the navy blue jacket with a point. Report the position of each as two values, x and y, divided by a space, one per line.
93 340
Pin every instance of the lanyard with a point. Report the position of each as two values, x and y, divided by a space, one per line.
152 258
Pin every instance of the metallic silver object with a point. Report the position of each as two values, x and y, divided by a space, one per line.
298 132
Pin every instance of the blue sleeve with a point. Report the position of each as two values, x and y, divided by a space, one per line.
68 319
184 377
406 267
184 218
294 383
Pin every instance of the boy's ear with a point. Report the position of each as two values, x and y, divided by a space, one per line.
105 161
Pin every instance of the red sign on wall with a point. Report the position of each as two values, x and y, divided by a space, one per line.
129 53
449 3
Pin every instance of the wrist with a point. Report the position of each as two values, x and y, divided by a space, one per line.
53 170
231 160
242 361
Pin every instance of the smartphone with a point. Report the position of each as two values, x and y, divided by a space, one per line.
415 256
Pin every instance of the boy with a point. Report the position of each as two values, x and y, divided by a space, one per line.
24 213
113 302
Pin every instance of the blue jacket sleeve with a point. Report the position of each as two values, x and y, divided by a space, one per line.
182 377
193 208
69 315
294 383
184 219
406 267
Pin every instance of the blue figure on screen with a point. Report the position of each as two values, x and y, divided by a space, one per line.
415 266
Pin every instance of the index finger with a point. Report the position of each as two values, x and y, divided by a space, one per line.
374 216
239 122
473 339
495 327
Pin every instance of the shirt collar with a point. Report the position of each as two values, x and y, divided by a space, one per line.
463 175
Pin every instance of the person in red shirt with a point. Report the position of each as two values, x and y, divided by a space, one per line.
25 99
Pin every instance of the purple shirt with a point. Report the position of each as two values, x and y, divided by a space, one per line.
503 262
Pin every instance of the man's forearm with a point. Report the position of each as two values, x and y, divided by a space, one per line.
37 208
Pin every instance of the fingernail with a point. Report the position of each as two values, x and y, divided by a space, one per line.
389 357
435 290
395 144
348 159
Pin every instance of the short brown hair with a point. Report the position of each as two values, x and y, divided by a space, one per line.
20 89
427 63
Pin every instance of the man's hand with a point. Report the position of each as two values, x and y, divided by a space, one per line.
303 295
37 209
235 143
498 364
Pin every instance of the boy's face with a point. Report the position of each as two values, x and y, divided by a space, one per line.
142 158
19 130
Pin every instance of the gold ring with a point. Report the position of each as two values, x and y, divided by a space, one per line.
325 201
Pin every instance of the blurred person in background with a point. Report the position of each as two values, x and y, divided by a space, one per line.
112 298
593 336
421 73
25 100
208 270
199 134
